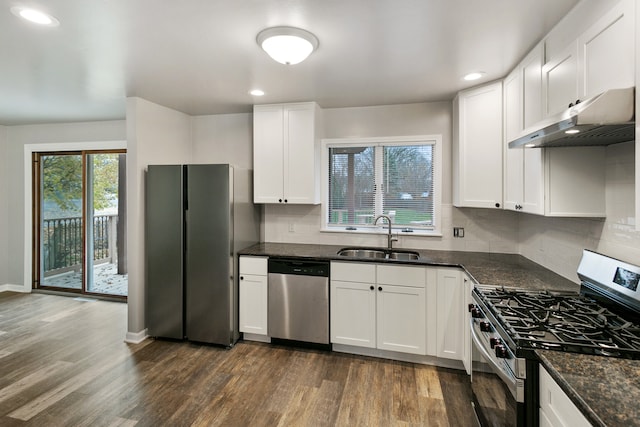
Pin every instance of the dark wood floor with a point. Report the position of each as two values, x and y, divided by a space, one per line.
63 362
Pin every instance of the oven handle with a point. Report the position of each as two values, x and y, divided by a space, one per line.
512 383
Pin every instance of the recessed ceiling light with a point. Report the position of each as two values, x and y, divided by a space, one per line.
287 45
35 16
572 131
257 92
474 76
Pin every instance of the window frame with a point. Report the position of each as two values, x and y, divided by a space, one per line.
434 140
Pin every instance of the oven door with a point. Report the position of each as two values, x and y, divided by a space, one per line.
498 395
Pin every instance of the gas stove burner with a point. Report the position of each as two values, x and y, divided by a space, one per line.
606 350
561 321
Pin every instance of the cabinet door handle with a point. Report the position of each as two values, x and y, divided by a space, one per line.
497 205
371 287
279 200
379 288
285 200
241 278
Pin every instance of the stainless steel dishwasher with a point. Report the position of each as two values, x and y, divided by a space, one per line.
299 300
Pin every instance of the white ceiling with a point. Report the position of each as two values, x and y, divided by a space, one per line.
200 56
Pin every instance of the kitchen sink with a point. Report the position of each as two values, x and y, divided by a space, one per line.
404 256
362 253
379 254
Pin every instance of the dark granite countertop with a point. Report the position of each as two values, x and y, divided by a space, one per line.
485 268
605 389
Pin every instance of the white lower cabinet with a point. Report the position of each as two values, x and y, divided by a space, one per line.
401 322
466 345
253 295
556 409
353 313
378 306
450 324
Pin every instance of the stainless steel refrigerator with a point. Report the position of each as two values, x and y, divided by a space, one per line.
196 219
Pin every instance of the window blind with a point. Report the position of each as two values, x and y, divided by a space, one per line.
394 180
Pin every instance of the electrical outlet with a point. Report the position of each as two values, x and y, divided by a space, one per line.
458 232
292 227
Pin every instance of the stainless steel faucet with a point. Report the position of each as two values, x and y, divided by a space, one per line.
390 238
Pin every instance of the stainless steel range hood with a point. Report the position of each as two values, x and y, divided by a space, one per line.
605 119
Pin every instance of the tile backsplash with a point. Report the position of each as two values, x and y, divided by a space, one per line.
555 243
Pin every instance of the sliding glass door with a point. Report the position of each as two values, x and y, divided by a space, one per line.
79 222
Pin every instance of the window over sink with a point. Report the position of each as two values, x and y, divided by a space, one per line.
395 176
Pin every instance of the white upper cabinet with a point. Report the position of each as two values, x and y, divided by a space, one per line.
513 172
286 153
606 52
523 185
531 69
560 80
477 147
601 58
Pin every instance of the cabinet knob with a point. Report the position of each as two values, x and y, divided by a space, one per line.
497 205
241 278
371 287
279 200
285 200
379 288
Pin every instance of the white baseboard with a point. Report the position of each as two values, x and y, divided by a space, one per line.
14 288
136 337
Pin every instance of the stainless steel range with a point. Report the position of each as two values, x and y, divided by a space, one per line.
508 325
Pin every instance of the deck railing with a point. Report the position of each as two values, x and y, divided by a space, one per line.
62 242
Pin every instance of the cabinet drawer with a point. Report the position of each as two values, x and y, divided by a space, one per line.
402 276
353 272
253 265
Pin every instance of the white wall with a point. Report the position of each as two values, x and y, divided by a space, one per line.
4 208
557 243
155 135
485 230
223 138
16 138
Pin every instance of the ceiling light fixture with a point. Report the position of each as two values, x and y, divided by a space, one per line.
257 92
474 76
287 45
35 16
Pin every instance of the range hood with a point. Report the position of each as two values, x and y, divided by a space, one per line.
605 119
